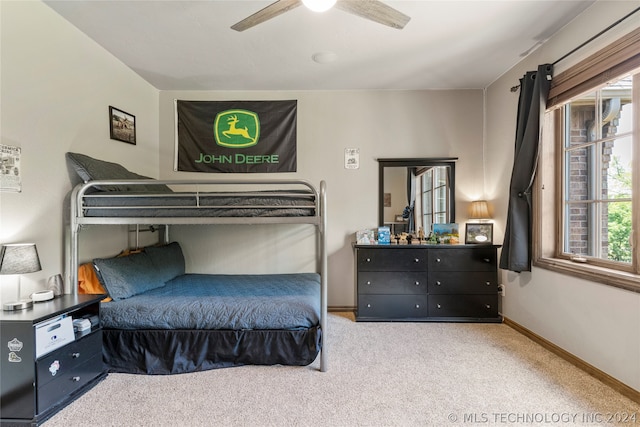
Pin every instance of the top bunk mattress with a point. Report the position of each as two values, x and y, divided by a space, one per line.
218 301
290 203
107 189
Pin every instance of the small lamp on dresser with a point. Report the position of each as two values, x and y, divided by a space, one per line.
19 258
479 210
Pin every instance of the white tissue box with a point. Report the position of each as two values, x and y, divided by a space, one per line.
52 334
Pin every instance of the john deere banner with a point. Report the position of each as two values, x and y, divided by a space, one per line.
236 136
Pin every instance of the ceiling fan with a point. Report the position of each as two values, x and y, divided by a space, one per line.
373 10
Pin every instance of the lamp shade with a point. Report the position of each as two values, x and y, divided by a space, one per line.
479 210
19 259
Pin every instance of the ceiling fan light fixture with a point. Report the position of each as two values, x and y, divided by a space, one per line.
319 5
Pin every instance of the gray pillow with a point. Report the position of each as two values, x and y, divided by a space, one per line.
129 275
168 260
89 169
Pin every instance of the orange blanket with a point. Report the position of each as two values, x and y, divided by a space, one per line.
88 282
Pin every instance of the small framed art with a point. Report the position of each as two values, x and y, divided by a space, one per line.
478 233
447 233
122 126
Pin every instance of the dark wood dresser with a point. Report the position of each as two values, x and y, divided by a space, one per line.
446 283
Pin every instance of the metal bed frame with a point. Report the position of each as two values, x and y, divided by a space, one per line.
78 219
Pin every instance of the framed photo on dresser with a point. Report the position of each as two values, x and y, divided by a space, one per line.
478 233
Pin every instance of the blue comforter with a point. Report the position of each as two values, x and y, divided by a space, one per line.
215 301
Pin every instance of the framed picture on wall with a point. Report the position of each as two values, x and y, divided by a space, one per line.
479 233
122 126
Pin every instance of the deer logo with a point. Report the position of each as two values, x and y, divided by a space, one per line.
237 128
244 132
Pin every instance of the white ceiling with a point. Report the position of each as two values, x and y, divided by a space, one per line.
188 45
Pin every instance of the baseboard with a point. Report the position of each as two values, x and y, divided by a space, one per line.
607 379
341 308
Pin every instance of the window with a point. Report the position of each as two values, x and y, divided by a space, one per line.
586 222
596 173
434 187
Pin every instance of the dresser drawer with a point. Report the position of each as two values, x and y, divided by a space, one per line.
392 260
466 282
68 382
392 306
65 359
476 259
474 306
386 282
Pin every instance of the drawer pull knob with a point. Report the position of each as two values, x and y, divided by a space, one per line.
488 283
417 305
486 260
416 260
76 379
439 306
488 306
368 305
417 283
438 283
437 259
368 282
75 355
368 259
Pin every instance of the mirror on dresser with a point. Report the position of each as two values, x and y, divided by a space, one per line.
415 193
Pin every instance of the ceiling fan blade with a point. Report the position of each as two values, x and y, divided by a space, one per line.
376 11
271 11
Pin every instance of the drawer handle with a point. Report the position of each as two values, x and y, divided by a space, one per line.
437 259
368 305
439 306
438 283
488 283
368 282
416 260
417 305
417 283
76 379
486 260
488 306
368 259
75 355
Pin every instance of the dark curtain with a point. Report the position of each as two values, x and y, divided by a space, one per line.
517 246
411 199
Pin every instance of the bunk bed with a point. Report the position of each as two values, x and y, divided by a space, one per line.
259 319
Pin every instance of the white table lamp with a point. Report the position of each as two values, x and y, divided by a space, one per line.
20 258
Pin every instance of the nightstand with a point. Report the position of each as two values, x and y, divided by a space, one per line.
44 363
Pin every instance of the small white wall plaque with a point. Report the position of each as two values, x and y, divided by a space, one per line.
351 158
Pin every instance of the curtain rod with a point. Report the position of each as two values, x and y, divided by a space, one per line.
598 35
515 88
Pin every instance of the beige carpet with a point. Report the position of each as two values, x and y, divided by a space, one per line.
379 374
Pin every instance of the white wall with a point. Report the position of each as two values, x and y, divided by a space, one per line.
599 324
56 88
395 183
380 124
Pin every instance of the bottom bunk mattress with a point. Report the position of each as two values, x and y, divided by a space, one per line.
205 321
